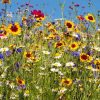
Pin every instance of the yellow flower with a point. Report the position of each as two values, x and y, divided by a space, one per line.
14 29
70 25
90 17
59 44
74 46
28 54
85 57
20 81
66 82
97 63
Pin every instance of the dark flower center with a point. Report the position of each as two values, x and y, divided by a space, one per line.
73 45
19 81
59 44
14 28
28 55
90 17
69 25
84 57
66 82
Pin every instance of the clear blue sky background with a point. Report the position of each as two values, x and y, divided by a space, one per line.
52 8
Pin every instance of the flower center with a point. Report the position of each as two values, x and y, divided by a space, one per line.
84 57
90 17
14 28
73 45
59 44
69 25
19 81
28 55
66 82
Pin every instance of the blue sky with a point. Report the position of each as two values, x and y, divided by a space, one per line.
52 8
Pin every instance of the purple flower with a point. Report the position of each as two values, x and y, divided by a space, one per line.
8 53
75 54
17 64
71 7
76 5
19 50
1 56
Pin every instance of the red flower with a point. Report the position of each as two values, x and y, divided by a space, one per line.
80 17
38 14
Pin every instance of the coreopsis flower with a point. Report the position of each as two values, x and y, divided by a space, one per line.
70 25
66 82
85 57
5 1
89 17
20 82
38 14
28 54
14 29
59 44
74 46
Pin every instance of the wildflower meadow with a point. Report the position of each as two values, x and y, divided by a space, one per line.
45 58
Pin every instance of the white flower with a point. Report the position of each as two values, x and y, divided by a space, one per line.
57 64
46 52
42 68
3 75
70 64
62 90
58 55
60 73
4 49
96 48
26 94
54 69
12 85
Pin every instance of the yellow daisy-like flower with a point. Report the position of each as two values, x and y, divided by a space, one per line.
85 57
90 17
20 81
66 82
70 25
59 44
14 29
28 55
74 46
51 36
4 30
